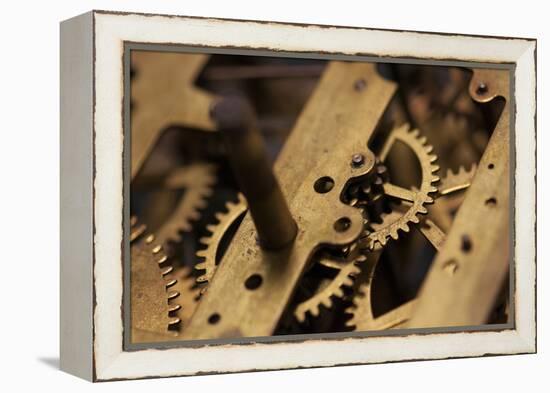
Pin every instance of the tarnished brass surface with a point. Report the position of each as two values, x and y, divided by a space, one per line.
331 114
150 300
330 198
468 273
165 94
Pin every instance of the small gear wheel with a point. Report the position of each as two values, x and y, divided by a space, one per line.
369 190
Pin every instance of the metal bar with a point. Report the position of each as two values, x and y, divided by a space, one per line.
249 159
467 274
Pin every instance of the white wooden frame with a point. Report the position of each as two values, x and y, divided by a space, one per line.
92 195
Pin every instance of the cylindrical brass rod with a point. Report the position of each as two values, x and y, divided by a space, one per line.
248 157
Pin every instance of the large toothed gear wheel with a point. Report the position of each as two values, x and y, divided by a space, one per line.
361 311
197 180
334 288
416 199
362 318
209 255
151 289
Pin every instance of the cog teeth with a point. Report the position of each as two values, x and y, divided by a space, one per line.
422 210
339 293
435 168
432 159
167 270
173 308
137 231
133 221
362 258
173 294
415 219
173 322
348 282
202 253
170 283
201 204
429 200
210 228
162 260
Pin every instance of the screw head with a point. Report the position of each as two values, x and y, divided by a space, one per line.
482 88
360 84
357 160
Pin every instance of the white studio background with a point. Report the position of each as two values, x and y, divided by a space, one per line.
29 196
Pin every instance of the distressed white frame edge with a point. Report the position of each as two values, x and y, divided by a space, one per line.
112 30
76 180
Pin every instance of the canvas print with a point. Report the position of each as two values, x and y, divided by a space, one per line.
282 196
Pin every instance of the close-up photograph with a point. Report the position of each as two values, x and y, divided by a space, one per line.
276 196
281 196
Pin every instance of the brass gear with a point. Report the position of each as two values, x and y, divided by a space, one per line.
347 270
366 193
370 190
207 256
361 311
151 289
416 198
185 304
197 180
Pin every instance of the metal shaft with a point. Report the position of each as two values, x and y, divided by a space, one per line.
248 156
